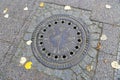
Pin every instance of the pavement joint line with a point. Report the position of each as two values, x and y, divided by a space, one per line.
97 56
73 72
4 41
107 53
105 22
69 5
117 58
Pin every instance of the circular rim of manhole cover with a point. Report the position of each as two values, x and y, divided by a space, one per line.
60 41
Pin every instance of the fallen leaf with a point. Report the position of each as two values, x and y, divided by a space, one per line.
28 65
26 8
29 42
5 10
23 60
115 65
108 6
89 67
42 4
105 60
67 8
98 46
6 15
103 37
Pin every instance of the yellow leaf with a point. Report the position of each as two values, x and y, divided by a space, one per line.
28 65
5 10
89 67
42 4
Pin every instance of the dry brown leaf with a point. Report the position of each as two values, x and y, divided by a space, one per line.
98 46
42 4
105 61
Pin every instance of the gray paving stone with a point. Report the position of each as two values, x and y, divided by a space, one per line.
95 36
103 14
27 36
94 29
85 4
76 69
85 76
110 45
88 59
94 43
16 19
67 75
4 47
104 70
79 77
58 73
19 73
74 77
83 64
92 52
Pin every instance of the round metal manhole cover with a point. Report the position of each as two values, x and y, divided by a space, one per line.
60 41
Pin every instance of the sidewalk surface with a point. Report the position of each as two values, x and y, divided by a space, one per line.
19 18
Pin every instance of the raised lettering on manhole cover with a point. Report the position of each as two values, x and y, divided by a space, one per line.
60 41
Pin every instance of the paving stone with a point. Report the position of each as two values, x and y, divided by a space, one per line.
19 73
74 77
58 73
76 69
104 70
103 14
28 36
94 36
4 47
79 77
88 59
94 43
83 64
16 19
84 4
85 76
94 29
92 52
111 44
67 75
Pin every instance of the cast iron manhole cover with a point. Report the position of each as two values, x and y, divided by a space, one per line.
60 41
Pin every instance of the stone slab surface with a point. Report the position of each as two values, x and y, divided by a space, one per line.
104 70
111 43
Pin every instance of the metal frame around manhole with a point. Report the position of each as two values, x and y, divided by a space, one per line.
52 43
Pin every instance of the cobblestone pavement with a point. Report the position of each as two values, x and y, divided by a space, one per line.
101 18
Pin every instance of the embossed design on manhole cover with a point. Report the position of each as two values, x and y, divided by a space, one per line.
60 41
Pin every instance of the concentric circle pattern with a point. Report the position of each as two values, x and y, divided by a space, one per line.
60 41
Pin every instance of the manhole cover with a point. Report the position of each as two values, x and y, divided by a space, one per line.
60 41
